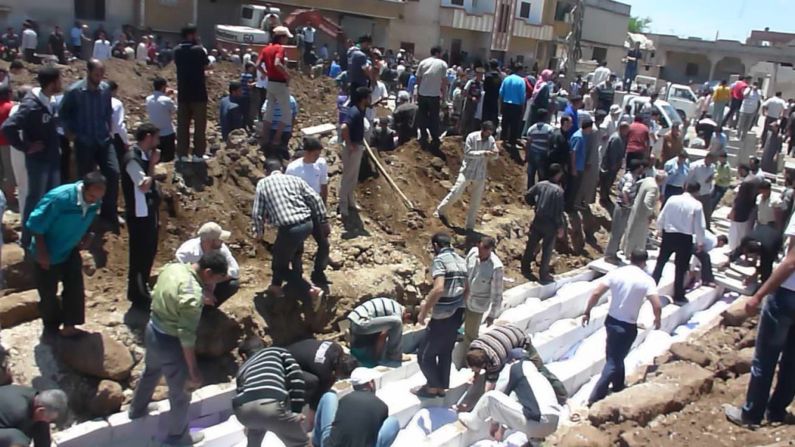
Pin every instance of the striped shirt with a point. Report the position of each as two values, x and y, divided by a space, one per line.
277 114
453 268
548 200
375 308
271 373
475 151
497 343
88 113
285 200
539 136
628 184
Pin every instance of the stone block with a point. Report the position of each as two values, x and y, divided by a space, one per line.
690 353
735 314
224 434
96 433
584 436
132 432
214 398
17 308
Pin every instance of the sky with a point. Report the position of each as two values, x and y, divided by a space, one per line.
732 19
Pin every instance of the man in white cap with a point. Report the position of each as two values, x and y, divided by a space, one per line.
275 60
212 237
403 117
359 419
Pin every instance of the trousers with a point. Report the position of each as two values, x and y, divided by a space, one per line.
680 245
436 351
619 226
392 324
278 93
620 336
264 415
351 162
455 194
511 125
196 112
71 310
499 407
287 251
41 177
142 250
89 155
327 412
545 233
427 119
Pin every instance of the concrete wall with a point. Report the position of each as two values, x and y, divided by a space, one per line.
604 27
675 66
475 43
420 25
524 47
536 11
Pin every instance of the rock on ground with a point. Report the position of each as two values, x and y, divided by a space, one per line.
736 363
18 308
107 400
584 436
98 355
676 385
735 314
690 353
19 274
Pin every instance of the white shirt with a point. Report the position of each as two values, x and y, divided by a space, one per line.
262 80
309 34
119 127
766 208
751 101
30 40
160 107
314 174
191 251
600 75
775 107
141 53
702 174
683 214
430 74
710 241
102 50
629 286
379 92
789 283
246 58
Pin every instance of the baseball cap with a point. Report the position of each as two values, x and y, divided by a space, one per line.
282 31
615 109
212 230
361 376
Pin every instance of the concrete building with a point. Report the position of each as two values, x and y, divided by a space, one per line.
604 30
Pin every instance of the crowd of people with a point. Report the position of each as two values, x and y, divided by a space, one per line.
65 151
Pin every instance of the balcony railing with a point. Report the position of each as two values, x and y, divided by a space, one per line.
539 32
373 8
460 19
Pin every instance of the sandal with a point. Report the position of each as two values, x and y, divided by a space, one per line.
423 393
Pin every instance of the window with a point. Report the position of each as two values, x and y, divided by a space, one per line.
524 10
504 16
599 54
691 69
408 46
457 2
561 11
90 9
247 13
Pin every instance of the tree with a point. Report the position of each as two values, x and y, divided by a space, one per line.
639 24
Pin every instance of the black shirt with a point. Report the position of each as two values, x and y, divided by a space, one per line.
770 242
16 411
359 417
491 91
317 357
355 121
56 42
191 60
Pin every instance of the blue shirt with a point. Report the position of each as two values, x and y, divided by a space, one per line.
578 143
63 218
513 90
575 119
410 85
334 70
277 114
245 81
357 60
355 121
74 35
230 115
87 113
677 174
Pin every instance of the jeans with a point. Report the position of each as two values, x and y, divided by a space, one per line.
733 108
287 251
681 245
351 162
427 119
168 147
264 415
544 232
196 112
142 251
617 229
71 310
455 194
42 177
89 155
393 324
436 351
775 342
537 163
327 411
717 195
620 336
164 358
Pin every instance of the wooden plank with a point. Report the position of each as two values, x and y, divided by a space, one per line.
318 130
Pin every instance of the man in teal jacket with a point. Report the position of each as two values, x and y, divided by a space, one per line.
59 224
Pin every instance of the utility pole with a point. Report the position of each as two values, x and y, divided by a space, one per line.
573 40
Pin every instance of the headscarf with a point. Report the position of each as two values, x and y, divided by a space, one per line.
546 76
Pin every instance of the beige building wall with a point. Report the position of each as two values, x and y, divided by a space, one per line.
419 25
49 13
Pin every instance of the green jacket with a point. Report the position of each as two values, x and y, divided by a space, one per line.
177 302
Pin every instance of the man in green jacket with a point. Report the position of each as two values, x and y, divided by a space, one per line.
170 338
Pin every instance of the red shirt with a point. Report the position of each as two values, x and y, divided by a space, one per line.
269 55
738 89
5 110
638 138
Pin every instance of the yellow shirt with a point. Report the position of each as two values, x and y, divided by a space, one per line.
721 94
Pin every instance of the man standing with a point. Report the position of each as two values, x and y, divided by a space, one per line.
352 152
491 93
118 130
473 95
290 204
629 286
478 146
549 222
672 145
160 108
578 144
312 168
445 304
638 139
76 40
773 110
191 61
775 338
612 159
270 396
485 275
680 221
376 325
539 148
275 60
26 415
59 225
678 171
742 214
30 41
644 209
513 95
702 172
280 148
627 192
720 99
752 97
102 48
33 130
431 88
211 237
358 64
87 115
634 56
170 338
142 204
57 44
737 96
11 42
